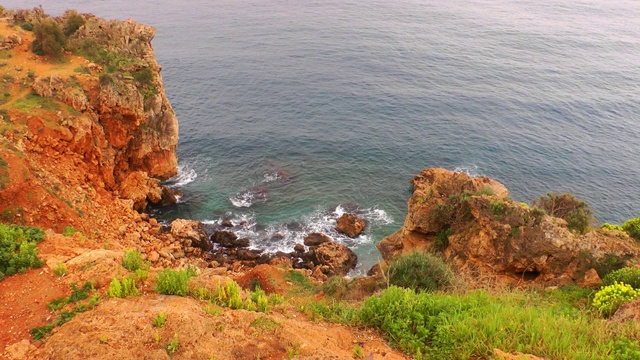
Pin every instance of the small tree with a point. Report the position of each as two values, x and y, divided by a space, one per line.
566 206
73 23
49 40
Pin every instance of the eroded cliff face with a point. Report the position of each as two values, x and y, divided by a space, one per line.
481 230
123 124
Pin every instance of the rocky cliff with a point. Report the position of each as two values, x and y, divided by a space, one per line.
479 229
118 117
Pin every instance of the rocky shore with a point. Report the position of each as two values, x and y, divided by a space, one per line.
88 136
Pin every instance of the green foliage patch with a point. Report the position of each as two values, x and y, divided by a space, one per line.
174 282
49 39
18 250
611 297
627 275
132 260
123 288
566 206
420 271
31 102
632 227
441 326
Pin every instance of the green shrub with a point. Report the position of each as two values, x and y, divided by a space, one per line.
259 298
611 262
68 231
160 320
25 25
566 206
608 226
611 297
121 289
485 191
441 241
173 345
420 271
18 250
498 208
60 270
172 282
336 286
49 38
132 260
229 295
627 275
39 332
73 23
632 227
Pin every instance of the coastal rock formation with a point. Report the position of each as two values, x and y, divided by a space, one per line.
125 123
331 257
350 224
481 230
191 233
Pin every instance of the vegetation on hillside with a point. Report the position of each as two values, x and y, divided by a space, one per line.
18 250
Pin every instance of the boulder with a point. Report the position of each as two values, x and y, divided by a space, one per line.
229 240
169 196
350 224
488 233
337 258
591 279
333 258
315 239
193 231
140 188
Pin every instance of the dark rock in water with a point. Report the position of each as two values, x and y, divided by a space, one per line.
227 224
229 240
277 237
299 248
315 239
223 237
169 196
350 224
242 243
244 254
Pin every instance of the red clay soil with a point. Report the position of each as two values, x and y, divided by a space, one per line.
23 303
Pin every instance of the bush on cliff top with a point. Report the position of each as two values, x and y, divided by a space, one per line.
18 250
420 271
50 39
566 206
632 227
627 275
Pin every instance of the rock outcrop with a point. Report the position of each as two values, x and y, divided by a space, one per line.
480 229
350 224
124 123
329 256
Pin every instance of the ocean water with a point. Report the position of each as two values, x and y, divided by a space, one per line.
292 112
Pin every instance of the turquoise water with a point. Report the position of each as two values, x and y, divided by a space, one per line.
291 112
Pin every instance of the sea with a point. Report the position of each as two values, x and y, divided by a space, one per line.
294 112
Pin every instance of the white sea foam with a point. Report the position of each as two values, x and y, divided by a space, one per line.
284 236
185 176
469 170
243 199
269 177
